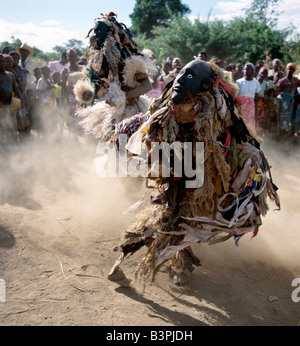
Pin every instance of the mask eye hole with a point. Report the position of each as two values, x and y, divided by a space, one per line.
189 76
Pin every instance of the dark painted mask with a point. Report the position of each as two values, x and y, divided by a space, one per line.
194 77
101 31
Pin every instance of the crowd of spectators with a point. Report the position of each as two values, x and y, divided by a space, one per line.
41 101
36 100
269 94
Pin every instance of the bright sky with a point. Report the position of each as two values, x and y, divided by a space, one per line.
47 24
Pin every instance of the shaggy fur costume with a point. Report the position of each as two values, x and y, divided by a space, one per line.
115 67
237 180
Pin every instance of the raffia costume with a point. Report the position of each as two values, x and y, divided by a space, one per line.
233 197
237 179
112 86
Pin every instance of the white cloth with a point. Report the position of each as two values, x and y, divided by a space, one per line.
33 85
248 87
48 95
56 66
263 87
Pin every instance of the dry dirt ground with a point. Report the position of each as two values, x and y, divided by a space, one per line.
59 222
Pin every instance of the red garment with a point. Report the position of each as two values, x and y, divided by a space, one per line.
260 117
248 110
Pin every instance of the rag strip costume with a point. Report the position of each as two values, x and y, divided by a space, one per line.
198 106
117 76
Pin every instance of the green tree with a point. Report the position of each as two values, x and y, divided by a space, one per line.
264 11
280 44
291 49
251 38
42 58
71 44
14 43
177 38
149 13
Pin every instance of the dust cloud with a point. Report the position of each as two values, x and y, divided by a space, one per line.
278 240
53 185
282 227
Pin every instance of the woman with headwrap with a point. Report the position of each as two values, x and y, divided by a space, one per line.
250 87
287 87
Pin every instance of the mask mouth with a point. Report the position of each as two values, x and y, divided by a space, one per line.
178 88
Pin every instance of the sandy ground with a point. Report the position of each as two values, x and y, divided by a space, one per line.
59 222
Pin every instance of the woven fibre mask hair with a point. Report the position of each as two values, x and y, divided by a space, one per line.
195 77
